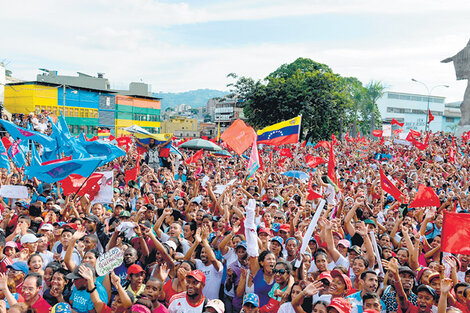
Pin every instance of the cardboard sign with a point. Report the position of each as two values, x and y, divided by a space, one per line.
109 261
14 192
105 195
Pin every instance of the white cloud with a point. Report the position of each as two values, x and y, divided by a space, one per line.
124 39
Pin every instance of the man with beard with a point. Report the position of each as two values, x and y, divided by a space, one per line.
193 300
153 289
130 257
95 227
80 300
368 282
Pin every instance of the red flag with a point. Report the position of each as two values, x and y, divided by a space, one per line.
280 163
111 137
377 133
348 139
147 200
332 165
382 140
72 183
286 153
6 143
415 133
395 122
451 154
194 158
133 173
304 143
312 194
390 188
455 233
397 131
324 144
124 141
214 140
426 196
239 136
420 145
314 161
271 156
431 117
205 137
261 164
334 141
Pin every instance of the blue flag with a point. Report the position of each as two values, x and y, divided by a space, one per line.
35 158
21 133
101 148
55 172
4 161
16 154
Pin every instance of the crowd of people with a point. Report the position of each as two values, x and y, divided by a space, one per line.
201 237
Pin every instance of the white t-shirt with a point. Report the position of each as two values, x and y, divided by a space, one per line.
179 304
213 279
286 308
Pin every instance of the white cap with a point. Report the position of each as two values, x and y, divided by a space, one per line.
47 227
217 305
171 244
28 238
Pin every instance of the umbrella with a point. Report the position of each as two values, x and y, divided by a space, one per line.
222 153
296 174
197 144
134 129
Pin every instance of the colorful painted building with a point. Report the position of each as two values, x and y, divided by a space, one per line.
86 108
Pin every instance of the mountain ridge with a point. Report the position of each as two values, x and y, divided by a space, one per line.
195 98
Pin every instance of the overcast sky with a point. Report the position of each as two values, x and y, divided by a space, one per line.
178 46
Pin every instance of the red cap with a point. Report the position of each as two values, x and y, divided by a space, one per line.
325 275
265 230
135 269
71 225
346 280
370 311
335 233
341 305
198 275
285 227
433 275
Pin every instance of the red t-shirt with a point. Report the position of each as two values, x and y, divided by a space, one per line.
161 309
4 263
169 291
41 305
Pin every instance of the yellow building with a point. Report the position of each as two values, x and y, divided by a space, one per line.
180 126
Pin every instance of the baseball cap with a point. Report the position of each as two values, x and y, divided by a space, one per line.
20 266
171 244
47 227
135 269
369 221
197 275
345 243
133 184
251 298
338 234
71 225
23 204
275 227
61 307
265 231
346 280
75 275
341 305
60 224
370 311
241 244
284 227
125 213
274 205
11 244
433 275
356 249
278 239
145 223
428 289
217 305
28 238
325 275
406 269
92 218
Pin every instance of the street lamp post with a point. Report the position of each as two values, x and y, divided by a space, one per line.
429 96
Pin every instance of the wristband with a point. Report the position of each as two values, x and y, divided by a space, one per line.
90 291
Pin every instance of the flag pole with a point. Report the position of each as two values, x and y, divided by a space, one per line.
83 184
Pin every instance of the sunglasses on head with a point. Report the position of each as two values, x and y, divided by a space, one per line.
281 271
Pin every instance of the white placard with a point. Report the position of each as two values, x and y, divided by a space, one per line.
109 261
14 192
310 229
105 195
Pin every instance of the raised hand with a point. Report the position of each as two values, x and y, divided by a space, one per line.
313 288
163 271
446 285
115 280
197 236
86 272
3 282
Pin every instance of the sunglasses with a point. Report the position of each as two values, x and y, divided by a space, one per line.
281 271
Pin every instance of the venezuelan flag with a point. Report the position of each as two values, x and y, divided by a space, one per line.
102 132
159 139
281 133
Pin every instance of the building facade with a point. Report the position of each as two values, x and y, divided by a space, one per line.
87 102
226 111
181 126
412 110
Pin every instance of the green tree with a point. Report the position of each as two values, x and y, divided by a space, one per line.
303 87
375 91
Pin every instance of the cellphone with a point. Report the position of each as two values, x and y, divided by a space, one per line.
404 209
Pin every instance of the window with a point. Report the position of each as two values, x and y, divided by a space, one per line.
77 113
450 119
54 111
